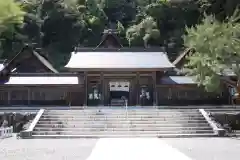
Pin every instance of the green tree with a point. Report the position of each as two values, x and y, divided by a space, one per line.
10 15
143 32
217 48
221 9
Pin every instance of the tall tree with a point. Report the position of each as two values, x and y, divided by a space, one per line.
10 15
217 48
143 32
221 9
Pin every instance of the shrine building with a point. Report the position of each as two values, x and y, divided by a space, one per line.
107 75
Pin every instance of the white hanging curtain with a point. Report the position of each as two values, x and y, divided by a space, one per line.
119 86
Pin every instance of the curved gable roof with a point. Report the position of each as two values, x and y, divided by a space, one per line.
119 60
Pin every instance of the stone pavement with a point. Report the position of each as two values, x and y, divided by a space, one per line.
116 149
135 149
208 148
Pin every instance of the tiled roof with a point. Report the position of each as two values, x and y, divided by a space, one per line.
177 80
181 57
44 61
119 60
110 33
123 49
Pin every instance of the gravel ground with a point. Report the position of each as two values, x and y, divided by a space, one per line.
80 149
208 148
46 149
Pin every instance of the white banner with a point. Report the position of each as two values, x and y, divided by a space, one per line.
119 86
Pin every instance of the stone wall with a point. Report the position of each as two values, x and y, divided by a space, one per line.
230 119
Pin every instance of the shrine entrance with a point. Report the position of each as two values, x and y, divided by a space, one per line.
119 93
119 90
146 95
146 91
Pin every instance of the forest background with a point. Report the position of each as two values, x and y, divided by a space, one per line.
57 26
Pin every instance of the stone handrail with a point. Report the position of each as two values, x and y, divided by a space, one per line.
6 132
28 133
217 130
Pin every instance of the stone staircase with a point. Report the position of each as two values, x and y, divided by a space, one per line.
227 110
95 123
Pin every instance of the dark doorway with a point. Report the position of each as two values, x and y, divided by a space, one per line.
94 96
146 96
119 93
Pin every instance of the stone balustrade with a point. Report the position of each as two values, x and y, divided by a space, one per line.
6 132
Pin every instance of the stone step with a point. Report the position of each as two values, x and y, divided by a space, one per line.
124 113
163 120
123 122
124 116
119 114
123 109
123 136
224 112
126 120
122 119
120 129
203 124
117 111
235 134
115 122
119 132
223 109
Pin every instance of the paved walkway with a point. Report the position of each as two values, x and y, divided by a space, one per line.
135 149
119 149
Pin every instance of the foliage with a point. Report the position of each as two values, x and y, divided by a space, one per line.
10 15
143 32
57 26
221 9
217 48
54 26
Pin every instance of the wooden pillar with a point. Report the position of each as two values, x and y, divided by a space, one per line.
138 88
102 88
9 97
29 96
155 98
86 88
106 92
69 98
